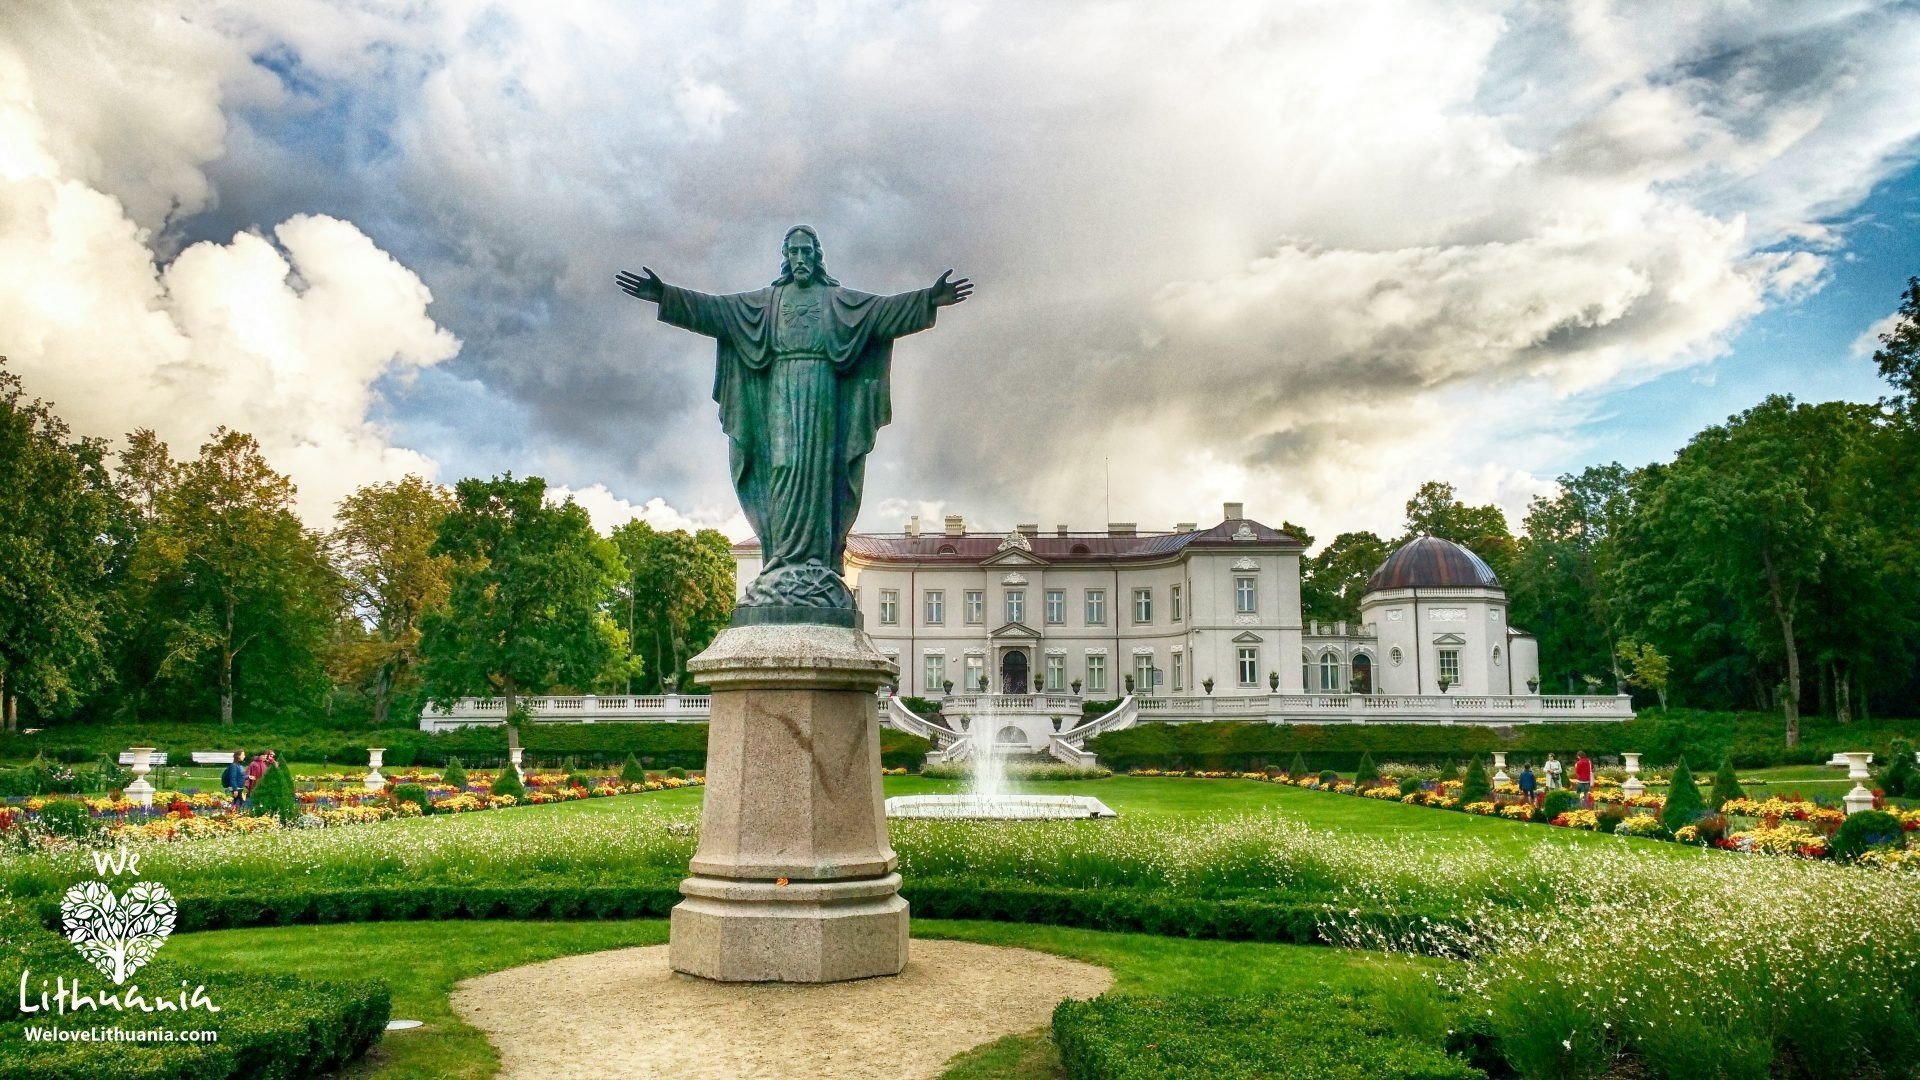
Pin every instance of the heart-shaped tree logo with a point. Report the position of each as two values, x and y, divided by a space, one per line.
118 934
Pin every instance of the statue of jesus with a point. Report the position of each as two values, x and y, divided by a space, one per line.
801 382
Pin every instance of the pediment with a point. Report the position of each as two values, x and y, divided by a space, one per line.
1013 557
1016 630
1449 639
1248 638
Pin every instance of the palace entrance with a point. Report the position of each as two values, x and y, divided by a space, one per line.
1014 671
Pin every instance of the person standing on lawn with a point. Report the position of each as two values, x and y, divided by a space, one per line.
1553 770
257 768
1583 778
235 778
1527 782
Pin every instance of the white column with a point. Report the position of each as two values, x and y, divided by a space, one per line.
1859 798
140 791
374 781
1633 786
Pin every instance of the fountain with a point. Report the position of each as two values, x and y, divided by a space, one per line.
987 796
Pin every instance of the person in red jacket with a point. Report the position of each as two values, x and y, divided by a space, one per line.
1583 777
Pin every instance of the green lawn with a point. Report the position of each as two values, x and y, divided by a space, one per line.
423 961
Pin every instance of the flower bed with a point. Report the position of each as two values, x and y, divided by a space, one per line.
1771 826
186 815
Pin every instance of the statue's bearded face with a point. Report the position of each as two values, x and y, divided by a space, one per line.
803 257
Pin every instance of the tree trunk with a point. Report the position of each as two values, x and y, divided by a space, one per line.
1842 690
632 587
1783 610
383 694
6 713
226 670
1824 690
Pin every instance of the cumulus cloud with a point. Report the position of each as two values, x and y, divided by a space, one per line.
1303 256
608 512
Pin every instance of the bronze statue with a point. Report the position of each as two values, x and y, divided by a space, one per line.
801 382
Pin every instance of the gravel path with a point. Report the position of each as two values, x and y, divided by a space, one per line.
625 1013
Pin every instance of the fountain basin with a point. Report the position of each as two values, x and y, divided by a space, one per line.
998 807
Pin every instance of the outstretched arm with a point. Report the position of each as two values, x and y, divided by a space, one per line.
646 285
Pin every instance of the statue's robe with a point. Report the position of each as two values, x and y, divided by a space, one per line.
801 382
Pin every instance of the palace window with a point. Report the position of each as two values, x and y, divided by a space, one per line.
1143 605
1143 674
1249 666
1496 656
1450 666
1016 605
1329 672
1245 600
1096 674
936 673
976 607
976 674
1179 672
1096 607
936 607
1056 673
1056 606
889 607
1173 604
1396 656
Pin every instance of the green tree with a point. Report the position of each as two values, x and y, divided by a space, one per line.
1476 786
527 604
273 794
1726 784
224 570
1646 667
1684 804
1333 579
1298 767
1367 772
454 775
1559 583
677 594
1435 510
56 507
383 547
507 782
632 772
1899 354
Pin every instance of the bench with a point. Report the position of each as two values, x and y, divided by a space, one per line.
158 757
212 757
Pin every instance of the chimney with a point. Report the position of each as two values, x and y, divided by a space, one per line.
1121 528
1186 526
1059 530
913 525
956 525
1028 530
1236 511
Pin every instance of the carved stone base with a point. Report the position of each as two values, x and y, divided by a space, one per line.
808 593
793 879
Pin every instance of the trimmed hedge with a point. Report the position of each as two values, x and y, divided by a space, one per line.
658 745
269 1025
1130 910
1219 1037
1750 740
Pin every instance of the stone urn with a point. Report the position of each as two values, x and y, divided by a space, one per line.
1633 786
374 781
1500 769
1859 799
140 791
513 758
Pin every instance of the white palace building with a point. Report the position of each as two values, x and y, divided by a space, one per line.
1193 624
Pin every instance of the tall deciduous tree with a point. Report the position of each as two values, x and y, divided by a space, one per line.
677 594
55 512
1899 354
383 548
1333 579
1559 584
227 571
529 590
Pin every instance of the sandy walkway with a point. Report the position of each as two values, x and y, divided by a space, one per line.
625 1013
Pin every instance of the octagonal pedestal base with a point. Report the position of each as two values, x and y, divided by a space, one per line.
737 931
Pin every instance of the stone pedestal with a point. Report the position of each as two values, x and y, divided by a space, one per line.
1859 800
793 880
140 792
1633 787
373 781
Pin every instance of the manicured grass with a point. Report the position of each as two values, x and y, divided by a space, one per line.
423 961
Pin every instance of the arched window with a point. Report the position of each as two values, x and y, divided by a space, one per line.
1362 673
1080 549
1306 669
1330 673
947 549
1496 656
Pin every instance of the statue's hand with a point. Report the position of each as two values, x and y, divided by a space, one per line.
946 292
645 285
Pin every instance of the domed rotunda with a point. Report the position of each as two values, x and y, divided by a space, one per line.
1440 616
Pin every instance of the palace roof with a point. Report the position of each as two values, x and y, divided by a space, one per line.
1428 562
972 548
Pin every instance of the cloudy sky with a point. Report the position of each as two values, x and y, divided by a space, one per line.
1299 255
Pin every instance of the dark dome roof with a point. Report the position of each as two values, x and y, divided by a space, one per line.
1429 562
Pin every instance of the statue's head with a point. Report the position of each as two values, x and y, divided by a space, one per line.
801 260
